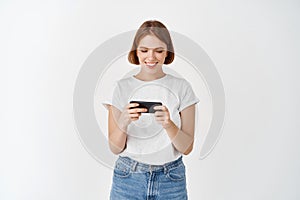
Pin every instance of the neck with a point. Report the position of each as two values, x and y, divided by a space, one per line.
149 77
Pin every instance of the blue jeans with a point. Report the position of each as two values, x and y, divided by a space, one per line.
138 181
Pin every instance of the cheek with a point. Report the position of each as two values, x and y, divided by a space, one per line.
140 56
162 56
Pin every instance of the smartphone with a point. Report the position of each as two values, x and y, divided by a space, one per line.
147 104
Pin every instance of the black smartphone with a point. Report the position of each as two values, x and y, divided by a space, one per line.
147 104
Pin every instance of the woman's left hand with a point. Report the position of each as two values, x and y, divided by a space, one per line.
162 116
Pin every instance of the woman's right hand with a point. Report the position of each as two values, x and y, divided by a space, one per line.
130 114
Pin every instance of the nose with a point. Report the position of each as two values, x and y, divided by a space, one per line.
151 54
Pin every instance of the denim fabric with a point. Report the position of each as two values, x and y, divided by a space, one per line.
137 181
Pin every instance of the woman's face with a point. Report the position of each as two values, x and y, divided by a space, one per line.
151 53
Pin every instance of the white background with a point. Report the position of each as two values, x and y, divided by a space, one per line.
254 44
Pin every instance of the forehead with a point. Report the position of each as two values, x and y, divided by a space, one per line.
151 41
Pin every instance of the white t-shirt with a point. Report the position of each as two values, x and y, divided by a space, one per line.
147 140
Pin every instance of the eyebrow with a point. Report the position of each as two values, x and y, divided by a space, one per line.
151 48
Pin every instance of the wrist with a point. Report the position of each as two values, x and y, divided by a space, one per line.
122 126
169 125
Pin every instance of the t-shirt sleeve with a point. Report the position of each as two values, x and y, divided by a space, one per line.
113 99
117 98
188 96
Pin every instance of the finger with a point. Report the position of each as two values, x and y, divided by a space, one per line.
132 105
160 121
158 107
162 117
159 113
137 110
162 108
135 115
134 119
159 118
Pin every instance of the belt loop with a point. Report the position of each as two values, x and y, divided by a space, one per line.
165 169
134 166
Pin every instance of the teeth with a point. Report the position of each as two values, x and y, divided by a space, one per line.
151 64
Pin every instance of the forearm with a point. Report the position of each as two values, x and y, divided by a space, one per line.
118 123
181 140
117 140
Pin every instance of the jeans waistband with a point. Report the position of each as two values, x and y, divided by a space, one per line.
143 167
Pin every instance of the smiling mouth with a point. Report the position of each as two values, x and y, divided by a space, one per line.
151 64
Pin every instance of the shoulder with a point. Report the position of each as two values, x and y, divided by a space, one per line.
124 82
178 80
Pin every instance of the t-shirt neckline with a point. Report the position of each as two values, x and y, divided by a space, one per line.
159 79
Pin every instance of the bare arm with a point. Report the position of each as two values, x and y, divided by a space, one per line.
182 139
117 125
116 136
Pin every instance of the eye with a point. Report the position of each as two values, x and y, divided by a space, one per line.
143 50
159 51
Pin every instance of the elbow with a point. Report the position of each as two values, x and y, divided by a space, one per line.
115 149
188 150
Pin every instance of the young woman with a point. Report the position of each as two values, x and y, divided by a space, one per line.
150 145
